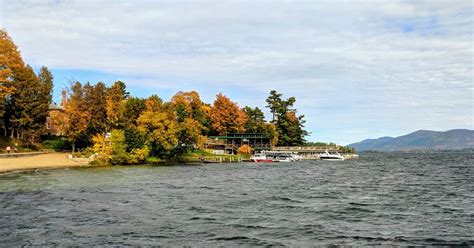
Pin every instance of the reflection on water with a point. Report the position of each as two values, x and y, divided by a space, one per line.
379 199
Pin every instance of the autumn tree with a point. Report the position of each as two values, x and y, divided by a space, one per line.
159 127
245 150
115 104
192 117
226 116
74 120
10 63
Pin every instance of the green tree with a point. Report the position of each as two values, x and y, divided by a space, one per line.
255 120
115 104
96 105
289 126
28 105
133 108
274 103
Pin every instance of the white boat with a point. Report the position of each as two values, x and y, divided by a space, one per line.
261 158
329 156
284 159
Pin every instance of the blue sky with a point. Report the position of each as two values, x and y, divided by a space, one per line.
358 69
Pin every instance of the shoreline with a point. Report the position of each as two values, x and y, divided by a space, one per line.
40 161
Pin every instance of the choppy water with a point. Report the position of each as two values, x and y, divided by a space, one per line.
379 199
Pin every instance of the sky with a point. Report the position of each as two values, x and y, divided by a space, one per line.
358 69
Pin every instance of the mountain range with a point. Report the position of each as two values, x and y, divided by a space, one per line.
422 139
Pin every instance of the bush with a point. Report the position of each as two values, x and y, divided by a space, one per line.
153 160
57 145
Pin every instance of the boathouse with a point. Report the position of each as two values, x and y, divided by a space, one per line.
230 143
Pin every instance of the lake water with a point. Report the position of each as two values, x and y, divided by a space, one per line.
378 199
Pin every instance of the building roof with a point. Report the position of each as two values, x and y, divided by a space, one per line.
242 136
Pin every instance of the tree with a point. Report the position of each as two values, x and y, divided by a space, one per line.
115 103
75 119
290 129
245 150
133 108
226 116
274 103
191 116
28 105
288 125
255 120
95 103
159 127
10 63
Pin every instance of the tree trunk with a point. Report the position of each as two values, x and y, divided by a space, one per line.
73 147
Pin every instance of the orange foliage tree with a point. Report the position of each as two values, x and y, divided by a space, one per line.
226 116
245 150
75 119
10 63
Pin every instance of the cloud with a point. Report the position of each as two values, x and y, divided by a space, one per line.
381 68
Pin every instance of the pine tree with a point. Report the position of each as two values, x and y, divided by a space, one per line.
287 124
28 106
255 120
115 104
96 105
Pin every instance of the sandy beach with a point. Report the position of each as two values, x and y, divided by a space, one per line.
42 161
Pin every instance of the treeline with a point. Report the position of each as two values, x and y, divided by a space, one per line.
344 149
123 127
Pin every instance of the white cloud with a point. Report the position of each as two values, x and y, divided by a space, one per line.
392 65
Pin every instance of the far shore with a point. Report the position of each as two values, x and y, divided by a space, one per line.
41 161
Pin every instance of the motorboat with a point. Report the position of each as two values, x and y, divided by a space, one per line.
329 156
261 158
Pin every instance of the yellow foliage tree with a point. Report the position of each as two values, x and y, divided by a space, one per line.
160 129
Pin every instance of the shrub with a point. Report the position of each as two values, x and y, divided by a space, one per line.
57 145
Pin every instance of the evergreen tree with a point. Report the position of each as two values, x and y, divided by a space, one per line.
287 124
96 105
274 103
115 104
255 120
28 105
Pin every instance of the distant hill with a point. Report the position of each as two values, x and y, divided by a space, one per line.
421 139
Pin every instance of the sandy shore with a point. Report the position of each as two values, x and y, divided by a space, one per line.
42 161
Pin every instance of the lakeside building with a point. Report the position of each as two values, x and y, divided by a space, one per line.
230 143
50 129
